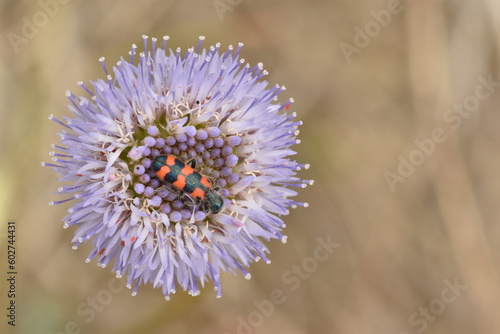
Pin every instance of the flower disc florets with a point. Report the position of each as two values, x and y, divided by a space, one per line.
213 113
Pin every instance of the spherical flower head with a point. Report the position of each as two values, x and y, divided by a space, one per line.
178 166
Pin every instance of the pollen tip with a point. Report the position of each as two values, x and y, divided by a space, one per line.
87 260
102 59
284 239
51 203
306 205
248 276
201 38
74 247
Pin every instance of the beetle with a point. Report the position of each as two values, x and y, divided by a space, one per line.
185 178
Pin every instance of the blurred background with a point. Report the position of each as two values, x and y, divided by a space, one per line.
400 108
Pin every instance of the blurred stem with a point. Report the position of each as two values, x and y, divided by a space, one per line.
434 93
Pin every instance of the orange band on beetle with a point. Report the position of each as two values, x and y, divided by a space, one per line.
187 170
164 170
205 182
170 161
180 182
197 193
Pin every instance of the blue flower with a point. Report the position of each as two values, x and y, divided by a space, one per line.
211 111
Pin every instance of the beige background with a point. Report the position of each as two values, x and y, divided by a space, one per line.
398 249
